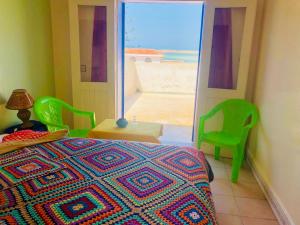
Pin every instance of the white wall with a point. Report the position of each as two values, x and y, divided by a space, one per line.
132 83
173 77
61 53
165 77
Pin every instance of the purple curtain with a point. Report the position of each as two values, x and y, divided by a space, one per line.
99 48
221 75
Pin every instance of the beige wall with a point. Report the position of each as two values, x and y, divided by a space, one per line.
275 144
61 53
25 52
86 28
167 77
238 22
164 77
132 83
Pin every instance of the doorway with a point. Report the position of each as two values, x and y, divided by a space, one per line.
232 19
161 57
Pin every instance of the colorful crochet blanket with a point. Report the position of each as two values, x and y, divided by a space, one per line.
87 181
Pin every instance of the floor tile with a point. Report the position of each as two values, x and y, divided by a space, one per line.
225 219
247 190
245 175
215 163
255 208
220 173
225 204
228 163
242 203
221 187
254 221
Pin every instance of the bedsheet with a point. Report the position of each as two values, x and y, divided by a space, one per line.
89 181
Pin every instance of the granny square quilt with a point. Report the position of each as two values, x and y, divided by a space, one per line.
87 181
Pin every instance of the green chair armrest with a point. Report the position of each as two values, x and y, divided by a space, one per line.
205 117
92 119
202 120
56 125
43 104
91 115
202 124
250 125
253 122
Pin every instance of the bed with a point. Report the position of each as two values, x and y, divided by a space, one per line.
88 181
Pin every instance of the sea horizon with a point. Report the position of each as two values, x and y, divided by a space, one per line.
165 55
153 50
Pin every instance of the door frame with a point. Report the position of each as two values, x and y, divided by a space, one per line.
121 75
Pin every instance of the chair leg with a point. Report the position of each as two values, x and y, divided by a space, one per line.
237 161
217 152
235 170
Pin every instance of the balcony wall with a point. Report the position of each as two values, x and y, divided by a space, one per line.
160 77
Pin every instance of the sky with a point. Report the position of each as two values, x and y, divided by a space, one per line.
174 26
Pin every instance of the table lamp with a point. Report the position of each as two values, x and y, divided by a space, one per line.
21 100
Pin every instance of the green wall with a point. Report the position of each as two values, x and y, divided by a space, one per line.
25 52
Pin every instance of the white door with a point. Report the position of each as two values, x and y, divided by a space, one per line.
93 43
225 55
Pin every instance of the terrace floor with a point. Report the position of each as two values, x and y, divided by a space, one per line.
174 111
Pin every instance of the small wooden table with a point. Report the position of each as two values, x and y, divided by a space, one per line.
135 131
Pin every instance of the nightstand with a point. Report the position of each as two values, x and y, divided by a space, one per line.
135 131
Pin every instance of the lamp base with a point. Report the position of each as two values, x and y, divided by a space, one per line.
24 115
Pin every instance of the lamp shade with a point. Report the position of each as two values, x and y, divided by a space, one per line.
19 99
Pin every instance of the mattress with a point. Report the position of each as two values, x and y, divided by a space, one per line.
88 181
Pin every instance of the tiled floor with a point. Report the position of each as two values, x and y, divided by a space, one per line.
239 204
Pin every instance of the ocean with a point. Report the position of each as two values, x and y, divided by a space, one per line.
181 56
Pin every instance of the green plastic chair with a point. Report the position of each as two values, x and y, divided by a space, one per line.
239 117
49 111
